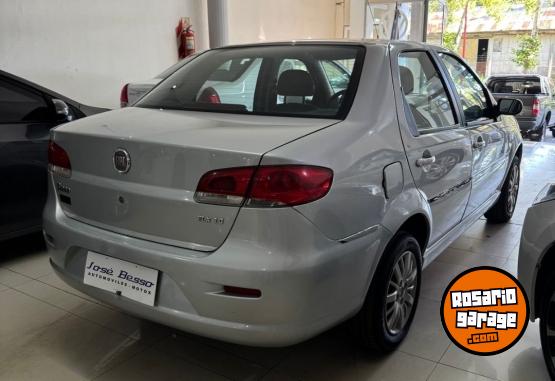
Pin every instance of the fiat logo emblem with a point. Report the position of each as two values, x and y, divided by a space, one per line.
122 160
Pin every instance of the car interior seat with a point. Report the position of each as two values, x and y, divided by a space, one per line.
501 88
407 83
534 90
295 86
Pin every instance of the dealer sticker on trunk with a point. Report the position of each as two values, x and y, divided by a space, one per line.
121 277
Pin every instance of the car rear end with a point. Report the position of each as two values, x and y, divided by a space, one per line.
529 90
132 92
170 211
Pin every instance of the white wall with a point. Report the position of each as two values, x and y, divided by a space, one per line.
87 49
273 20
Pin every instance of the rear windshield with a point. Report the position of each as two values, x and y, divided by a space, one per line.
515 86
172 69
317 81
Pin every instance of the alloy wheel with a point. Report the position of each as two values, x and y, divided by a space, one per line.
401 293
514 184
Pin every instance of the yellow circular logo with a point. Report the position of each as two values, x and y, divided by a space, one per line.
484 311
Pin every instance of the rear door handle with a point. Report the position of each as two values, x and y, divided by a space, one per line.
425 161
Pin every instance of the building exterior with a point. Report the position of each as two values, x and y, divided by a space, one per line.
490 42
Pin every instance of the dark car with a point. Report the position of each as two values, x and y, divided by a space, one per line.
27 113
536 94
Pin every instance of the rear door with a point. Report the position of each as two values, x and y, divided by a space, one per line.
489 139
437 145
25 121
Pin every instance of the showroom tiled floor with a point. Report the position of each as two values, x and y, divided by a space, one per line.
50 332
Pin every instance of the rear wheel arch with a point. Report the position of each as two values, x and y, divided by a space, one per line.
518 152
418 226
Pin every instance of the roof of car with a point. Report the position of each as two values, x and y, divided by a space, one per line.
51 93
367 42
26 82
516 76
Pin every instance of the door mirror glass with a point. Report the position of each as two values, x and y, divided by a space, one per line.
62 110
508 106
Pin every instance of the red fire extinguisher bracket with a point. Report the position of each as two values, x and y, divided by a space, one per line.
185 39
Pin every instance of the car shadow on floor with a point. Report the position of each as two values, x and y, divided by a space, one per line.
22 246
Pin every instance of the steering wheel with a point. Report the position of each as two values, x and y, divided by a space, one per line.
337 97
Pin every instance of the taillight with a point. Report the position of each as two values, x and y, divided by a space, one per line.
536 107
124 96
224 186
209 95
58 160
265 186
289 185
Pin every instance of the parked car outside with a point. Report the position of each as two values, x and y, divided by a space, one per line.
536 268
133 91
536 94
266 216
27 114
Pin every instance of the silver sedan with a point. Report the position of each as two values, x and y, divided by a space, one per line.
259 195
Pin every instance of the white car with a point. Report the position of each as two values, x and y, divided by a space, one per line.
133 91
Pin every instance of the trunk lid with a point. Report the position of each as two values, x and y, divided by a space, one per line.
169 151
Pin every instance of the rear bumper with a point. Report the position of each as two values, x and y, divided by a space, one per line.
308 282
528 125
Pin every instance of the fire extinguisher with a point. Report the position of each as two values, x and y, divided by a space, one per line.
187 46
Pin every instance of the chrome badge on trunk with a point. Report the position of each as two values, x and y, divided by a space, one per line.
122 160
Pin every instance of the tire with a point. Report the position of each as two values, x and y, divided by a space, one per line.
538 137
547 324
553 133
503 209
382 324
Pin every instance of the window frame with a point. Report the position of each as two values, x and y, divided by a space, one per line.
448 90
24 88
337 67
487 119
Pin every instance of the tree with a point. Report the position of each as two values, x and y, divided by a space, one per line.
533 7
494 8
528 50
526 55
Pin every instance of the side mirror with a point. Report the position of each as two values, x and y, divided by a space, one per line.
507 106
62 110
